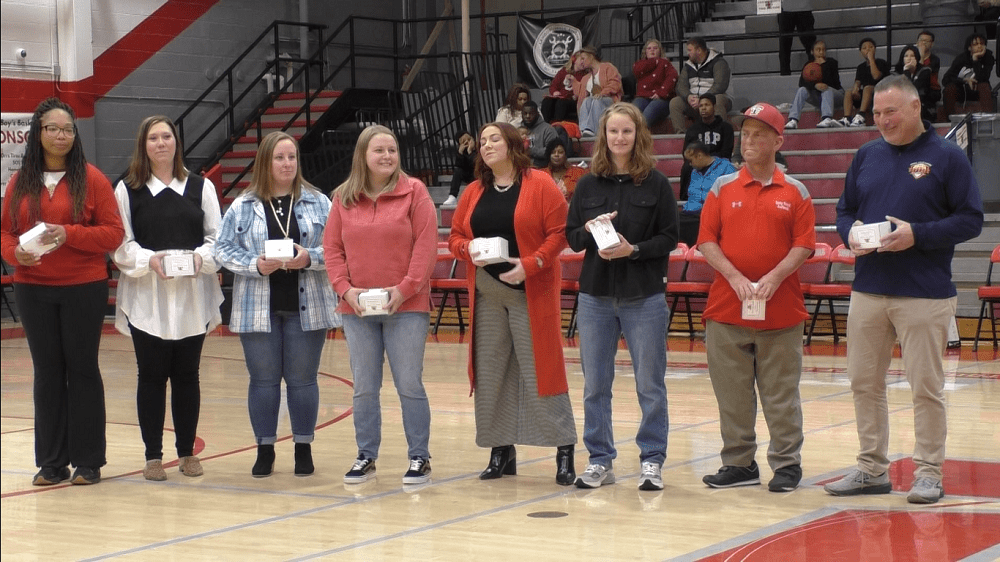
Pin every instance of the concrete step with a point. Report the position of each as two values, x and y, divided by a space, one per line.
720 27
849 17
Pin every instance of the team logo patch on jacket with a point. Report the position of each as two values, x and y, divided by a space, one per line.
919 169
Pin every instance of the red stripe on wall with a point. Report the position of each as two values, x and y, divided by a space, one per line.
112 66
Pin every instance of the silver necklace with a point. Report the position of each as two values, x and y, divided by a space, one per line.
504 189
280 212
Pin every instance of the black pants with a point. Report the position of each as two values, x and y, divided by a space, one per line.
458 177
689 225
558 109
63 328
178 361
788 22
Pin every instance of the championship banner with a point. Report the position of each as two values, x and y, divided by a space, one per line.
15 132
544 46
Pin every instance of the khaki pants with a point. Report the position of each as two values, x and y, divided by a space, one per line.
740 358
874 322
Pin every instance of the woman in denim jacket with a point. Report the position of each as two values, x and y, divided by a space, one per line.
282 306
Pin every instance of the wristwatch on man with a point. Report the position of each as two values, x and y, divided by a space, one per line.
635 252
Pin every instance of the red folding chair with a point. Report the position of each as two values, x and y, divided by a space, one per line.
696 281
831 290
990 295
448 279
814 271
572 265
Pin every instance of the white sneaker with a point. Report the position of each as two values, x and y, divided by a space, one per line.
858 121
829 123
844 121
451 200
792 124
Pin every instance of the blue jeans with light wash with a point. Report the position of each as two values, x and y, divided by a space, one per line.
290 353
653 110
590 112
827 101
401 337
643 320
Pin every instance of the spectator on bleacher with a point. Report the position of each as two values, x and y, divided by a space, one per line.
464 169
968 78
540 134
516 363
795 14
656 79
925 42
379 206
705 169
903 290
510 111
909 66
866 77
825 93
560 104
621 290
282 307
62 290
705 72
757 229
710 130
167 210
561 171
599 88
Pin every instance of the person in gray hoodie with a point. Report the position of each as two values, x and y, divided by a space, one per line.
540 134
705 72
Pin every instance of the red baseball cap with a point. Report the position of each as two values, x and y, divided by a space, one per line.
767 114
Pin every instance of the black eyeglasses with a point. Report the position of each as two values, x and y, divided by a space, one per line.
54 130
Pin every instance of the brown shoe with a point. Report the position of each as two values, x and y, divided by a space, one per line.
191 466
154 470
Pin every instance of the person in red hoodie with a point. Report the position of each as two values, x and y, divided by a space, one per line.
655 81
515 355
62 290
380 207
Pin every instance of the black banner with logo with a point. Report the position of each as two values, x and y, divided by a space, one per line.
544 46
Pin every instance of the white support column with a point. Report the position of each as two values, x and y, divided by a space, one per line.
76 39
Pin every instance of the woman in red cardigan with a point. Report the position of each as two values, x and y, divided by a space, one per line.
596 91
655 81
515 355
61 290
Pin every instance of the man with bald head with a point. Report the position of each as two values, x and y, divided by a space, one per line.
924 186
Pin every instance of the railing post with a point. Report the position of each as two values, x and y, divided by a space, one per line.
888 31
354 76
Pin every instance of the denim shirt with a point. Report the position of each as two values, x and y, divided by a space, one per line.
241 241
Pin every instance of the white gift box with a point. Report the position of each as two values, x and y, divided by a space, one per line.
283 249
31 241
491 250
870 235
605 235
374 302
180 264
753 309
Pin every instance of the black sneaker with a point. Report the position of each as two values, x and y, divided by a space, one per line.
361 471
785 479
84 475
732 476
50 475
419 473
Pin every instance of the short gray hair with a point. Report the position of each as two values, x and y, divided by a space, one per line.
898 82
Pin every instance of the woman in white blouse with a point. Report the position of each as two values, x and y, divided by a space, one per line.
168 294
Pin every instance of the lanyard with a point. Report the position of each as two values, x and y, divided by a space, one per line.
277 218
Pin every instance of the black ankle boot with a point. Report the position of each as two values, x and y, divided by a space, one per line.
565 473
503 460
303 459
265 461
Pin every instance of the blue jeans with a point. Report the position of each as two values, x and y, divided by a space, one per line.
401 336
653 110
826 100
590 112
286 352
602 321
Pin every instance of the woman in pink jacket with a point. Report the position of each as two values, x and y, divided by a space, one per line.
382 234
596 91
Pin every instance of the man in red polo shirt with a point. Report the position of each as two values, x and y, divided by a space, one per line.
757 228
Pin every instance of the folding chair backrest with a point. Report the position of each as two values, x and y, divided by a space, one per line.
698 269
